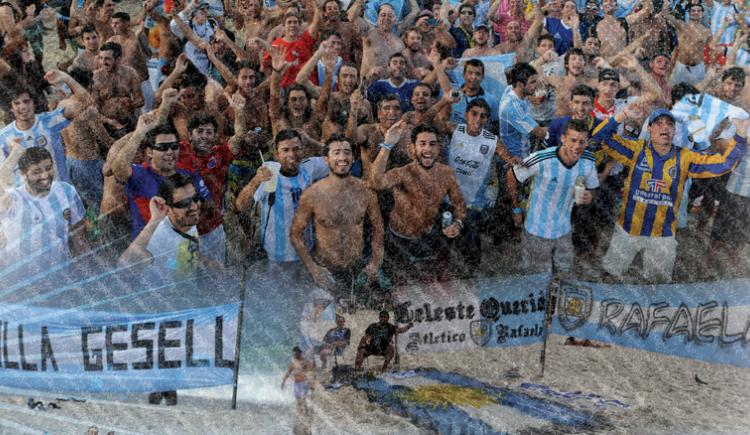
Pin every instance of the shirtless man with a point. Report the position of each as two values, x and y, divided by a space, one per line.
86 143
368 135
132 53
419 189
116 90
300 370
338 206
518 42
380 42
575 63
86 59
351 44
613 31
419 63
693 38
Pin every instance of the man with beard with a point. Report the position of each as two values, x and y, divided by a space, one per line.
39 218
279 205
414 53
516 123
142 181
339 241
481 43
395 84
547 243
42 129
521 43
116 90
414 244
389 112
169 247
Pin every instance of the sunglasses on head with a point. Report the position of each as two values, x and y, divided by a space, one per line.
163 146
187 202
203 8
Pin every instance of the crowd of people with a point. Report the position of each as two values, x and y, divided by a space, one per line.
356 144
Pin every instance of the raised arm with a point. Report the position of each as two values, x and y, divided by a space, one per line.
180 66
352 129
147 122
648 8
184 29
245 198
355 10
408 20
237 101
379 179
303 76
55 77
324 95
137 252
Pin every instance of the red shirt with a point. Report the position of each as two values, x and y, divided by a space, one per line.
213 168
297 52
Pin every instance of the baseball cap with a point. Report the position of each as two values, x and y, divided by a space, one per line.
661 53
482 26
658 113
609 74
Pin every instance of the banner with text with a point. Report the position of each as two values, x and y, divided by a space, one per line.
89 351
706 321
460 315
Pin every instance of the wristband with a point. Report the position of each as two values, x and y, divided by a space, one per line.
386 146
517 210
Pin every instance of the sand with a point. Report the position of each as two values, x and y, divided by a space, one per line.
661 390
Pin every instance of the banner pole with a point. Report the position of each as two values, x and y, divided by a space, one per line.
237 342
547 323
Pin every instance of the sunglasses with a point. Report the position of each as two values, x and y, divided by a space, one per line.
467 13
203 8
164 146
187 202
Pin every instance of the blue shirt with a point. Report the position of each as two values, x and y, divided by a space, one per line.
458 110
381 88
563 34
44 133
516 123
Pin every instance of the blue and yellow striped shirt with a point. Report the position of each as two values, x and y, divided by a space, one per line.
653 190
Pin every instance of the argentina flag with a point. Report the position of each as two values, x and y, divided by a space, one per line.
701 113
451 403
494 81
743 57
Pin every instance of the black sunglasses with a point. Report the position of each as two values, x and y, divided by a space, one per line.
187 202
163 146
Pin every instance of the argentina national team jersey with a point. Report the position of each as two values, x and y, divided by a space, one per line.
471 159
44 133
552 191
275 225
653 191
36 229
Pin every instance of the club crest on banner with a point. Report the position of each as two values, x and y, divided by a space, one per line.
480 331
575 305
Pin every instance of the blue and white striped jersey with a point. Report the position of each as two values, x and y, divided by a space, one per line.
471 160
275 233
739 181
552 191
516 123
718 13
44 133
36 229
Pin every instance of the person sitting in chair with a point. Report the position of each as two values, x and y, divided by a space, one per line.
335 341
378 340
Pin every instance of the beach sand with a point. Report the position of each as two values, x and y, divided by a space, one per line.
661 391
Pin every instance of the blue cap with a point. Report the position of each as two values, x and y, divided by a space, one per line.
658 113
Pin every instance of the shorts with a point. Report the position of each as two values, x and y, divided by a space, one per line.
347 279
732 217
423 259
658 255
547 255
301 390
